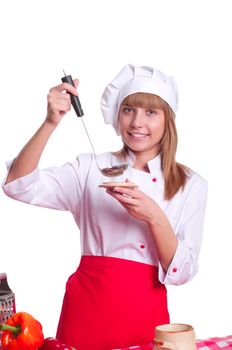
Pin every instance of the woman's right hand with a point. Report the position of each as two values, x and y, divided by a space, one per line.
59 101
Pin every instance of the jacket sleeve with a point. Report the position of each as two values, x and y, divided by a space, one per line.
189 229
57 188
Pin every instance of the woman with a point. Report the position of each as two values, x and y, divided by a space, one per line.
133 240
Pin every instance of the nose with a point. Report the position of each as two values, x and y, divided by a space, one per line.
137 121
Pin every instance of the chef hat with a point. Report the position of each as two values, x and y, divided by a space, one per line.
132 79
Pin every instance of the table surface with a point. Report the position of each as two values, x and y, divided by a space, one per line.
216 343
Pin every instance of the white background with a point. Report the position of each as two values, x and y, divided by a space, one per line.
93 40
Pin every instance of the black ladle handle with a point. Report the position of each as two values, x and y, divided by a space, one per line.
74 99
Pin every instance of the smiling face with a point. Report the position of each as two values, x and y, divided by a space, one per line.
142 124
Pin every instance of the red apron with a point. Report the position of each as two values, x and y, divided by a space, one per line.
112 303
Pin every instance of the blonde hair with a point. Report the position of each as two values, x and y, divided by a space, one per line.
175 174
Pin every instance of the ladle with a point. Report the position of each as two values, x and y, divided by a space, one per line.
113 171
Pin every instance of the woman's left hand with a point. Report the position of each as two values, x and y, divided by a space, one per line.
136 202
143 207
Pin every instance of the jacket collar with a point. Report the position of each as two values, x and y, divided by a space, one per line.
154 164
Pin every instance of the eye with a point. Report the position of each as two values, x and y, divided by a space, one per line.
128 109
151 112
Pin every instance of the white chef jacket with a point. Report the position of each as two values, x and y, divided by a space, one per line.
106 228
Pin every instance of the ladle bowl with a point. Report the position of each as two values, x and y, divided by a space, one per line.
115 170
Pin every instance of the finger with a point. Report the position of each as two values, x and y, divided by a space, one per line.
131 192
122 198
65 87
114 191
59 102
57 97
61 106
70 88
76 82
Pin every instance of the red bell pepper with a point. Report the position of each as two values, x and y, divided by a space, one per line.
54 344
21 331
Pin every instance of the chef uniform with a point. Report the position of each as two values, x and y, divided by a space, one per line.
117 295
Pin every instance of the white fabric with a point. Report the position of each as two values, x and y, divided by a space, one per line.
132 79
106 229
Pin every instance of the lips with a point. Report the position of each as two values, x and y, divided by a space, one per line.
137 135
